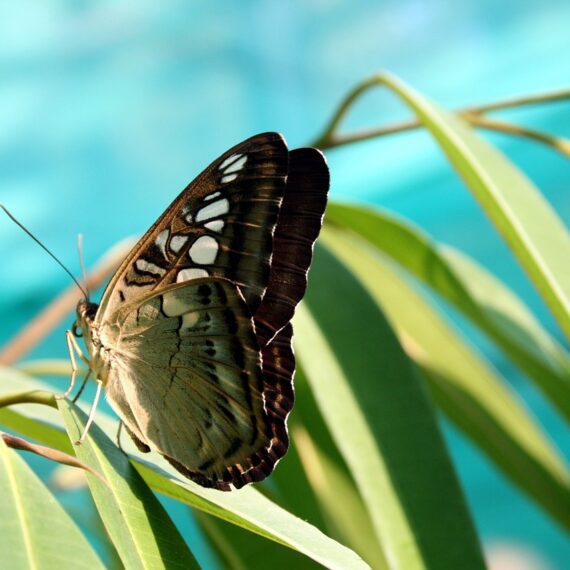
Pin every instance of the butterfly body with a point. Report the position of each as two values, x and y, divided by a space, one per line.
98 354
192 339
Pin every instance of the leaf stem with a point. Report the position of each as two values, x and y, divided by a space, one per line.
538 98
28 397
560 144
48 453
473 114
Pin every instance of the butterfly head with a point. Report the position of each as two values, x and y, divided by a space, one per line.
86 311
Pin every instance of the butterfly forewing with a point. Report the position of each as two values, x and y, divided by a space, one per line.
220 226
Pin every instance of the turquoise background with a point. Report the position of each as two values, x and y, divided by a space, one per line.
108 109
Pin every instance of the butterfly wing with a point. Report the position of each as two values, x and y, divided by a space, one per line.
186 377
244 228
298 226
220 226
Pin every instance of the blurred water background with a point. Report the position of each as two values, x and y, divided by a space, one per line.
108 109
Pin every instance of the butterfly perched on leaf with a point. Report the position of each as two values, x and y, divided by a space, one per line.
192 339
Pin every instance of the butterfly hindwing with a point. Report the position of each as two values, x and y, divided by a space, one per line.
187 378
220 226
298 226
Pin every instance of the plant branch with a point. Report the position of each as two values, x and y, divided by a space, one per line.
48 453
560 144
329 138
28 397
537 99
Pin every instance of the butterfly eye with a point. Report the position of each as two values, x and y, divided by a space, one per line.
76 330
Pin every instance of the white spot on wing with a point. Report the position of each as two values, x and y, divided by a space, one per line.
161 240
188 218
190 319
177 242
237 165
215 225
191 273
213 210
173 306
204 250
230 160
212 196
144 265
228 178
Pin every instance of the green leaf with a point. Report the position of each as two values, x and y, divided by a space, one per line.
526 221
383 424
250 510
489 304
346 516
226 551
290 487
35 531
339 499
247 508
42 423
465 386
141 530
242 550
294 482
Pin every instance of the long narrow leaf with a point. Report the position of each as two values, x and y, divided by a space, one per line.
471 289
35 531
340 500
250 510
141 530
291 488
465 386
227 552
347 518
525 220
382 422
247 508
244 550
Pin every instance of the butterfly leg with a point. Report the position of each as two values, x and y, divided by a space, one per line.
119 431
91 413
81 388
72 347
71 340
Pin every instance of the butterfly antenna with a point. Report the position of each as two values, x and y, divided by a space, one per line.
82 265
9 214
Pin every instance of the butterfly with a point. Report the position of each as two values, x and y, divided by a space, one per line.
192 338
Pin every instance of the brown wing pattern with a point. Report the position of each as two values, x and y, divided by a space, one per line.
299 224
188 380
210 386
220 226
278 370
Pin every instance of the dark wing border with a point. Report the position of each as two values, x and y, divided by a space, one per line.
298 226
278 370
